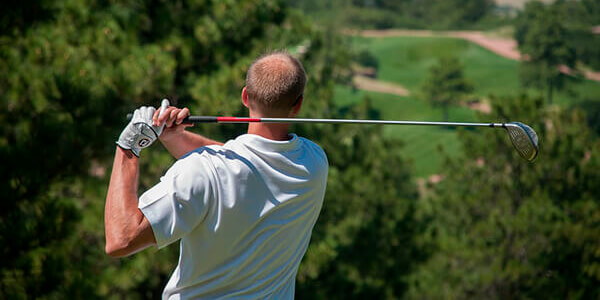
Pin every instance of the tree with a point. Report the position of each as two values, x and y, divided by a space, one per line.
503 228
364 14
454 13
543 39
585 17
366 59
592 8
592 113
446 84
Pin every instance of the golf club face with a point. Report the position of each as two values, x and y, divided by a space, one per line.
524 139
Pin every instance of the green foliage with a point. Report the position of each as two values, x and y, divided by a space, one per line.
446 84
377 18
504 228
19 15
543 37
367 59
592 113
62 83
592 8
381 14
451 13
585 14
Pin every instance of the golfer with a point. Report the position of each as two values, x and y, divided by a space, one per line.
242 211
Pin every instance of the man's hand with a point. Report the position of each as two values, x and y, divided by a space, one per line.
175 138
140 132
171 119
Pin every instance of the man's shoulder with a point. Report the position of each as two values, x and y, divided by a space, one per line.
317 158
213 156
311 144
203 152
200 157
314 147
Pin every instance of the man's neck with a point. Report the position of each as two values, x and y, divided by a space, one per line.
271 131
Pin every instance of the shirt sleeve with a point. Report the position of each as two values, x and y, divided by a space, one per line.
179 202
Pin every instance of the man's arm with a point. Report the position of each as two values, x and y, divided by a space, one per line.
175 138
127 230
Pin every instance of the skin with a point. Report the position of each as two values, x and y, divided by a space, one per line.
127 230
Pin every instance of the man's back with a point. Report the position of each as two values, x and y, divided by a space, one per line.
244 213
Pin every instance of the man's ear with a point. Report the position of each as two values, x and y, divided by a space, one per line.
245 98
296 108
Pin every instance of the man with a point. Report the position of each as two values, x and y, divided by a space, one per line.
243 211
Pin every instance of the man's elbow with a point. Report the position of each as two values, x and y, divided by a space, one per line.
118 247
125 245
124 240
122 244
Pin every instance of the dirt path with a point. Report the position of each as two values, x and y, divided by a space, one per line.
369 84
504 47
373 85
501 46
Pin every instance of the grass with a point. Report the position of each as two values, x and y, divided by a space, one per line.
422 144
406 60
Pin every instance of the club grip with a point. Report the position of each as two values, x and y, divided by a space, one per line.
190 119
201 119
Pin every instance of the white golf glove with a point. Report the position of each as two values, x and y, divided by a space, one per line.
140 133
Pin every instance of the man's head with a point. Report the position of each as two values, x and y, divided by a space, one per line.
275 85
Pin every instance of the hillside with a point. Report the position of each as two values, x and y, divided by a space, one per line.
406 60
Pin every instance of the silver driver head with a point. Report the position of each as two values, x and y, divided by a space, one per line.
524 139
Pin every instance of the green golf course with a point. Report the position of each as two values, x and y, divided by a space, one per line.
406 61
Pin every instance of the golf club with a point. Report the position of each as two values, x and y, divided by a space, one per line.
523 137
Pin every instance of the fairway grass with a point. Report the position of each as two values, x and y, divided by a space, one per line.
421 144
406 61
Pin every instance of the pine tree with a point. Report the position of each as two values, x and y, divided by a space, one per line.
544 42
446 84
504 228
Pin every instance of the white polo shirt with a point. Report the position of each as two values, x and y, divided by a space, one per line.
243 213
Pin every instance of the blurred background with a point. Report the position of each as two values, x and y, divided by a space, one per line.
410 212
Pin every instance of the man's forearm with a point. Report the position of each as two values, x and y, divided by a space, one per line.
122 218
184 142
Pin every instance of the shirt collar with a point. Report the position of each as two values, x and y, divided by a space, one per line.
257 141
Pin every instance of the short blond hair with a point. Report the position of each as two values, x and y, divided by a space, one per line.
275 82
